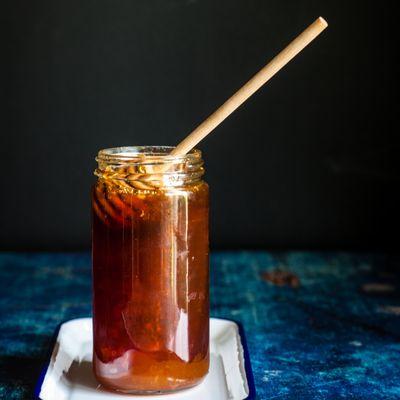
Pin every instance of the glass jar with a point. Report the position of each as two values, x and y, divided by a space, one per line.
150 270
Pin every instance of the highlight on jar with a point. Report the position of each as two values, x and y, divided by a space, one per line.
150 250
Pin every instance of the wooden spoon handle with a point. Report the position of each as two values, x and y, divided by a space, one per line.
258 80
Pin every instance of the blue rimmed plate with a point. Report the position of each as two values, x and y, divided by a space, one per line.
69 375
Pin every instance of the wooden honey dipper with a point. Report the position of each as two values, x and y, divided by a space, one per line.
140 181
255 83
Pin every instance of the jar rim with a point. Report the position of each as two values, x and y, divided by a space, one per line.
149 167
141 155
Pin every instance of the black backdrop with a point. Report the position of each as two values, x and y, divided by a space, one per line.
309 161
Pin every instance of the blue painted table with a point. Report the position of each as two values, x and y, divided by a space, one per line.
325 326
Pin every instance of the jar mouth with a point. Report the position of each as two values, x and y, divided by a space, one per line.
145 155
148 167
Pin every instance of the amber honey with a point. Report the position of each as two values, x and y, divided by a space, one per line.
150 271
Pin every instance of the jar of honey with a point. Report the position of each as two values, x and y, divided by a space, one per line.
150 270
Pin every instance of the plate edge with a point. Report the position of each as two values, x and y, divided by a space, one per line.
243 341
246 357
46 363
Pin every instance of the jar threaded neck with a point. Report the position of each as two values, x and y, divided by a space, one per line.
148 167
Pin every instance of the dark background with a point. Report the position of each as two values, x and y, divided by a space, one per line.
309 161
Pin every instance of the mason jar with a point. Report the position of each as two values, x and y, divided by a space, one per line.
150 270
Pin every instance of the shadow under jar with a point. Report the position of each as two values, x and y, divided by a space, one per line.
150 270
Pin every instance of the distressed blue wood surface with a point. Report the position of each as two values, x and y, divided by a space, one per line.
335 336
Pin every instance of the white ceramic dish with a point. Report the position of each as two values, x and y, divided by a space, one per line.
69 376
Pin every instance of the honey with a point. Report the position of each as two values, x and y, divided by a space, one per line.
150 270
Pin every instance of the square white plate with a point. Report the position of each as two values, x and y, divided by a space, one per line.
69 373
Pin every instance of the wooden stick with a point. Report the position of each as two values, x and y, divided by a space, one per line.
258 80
